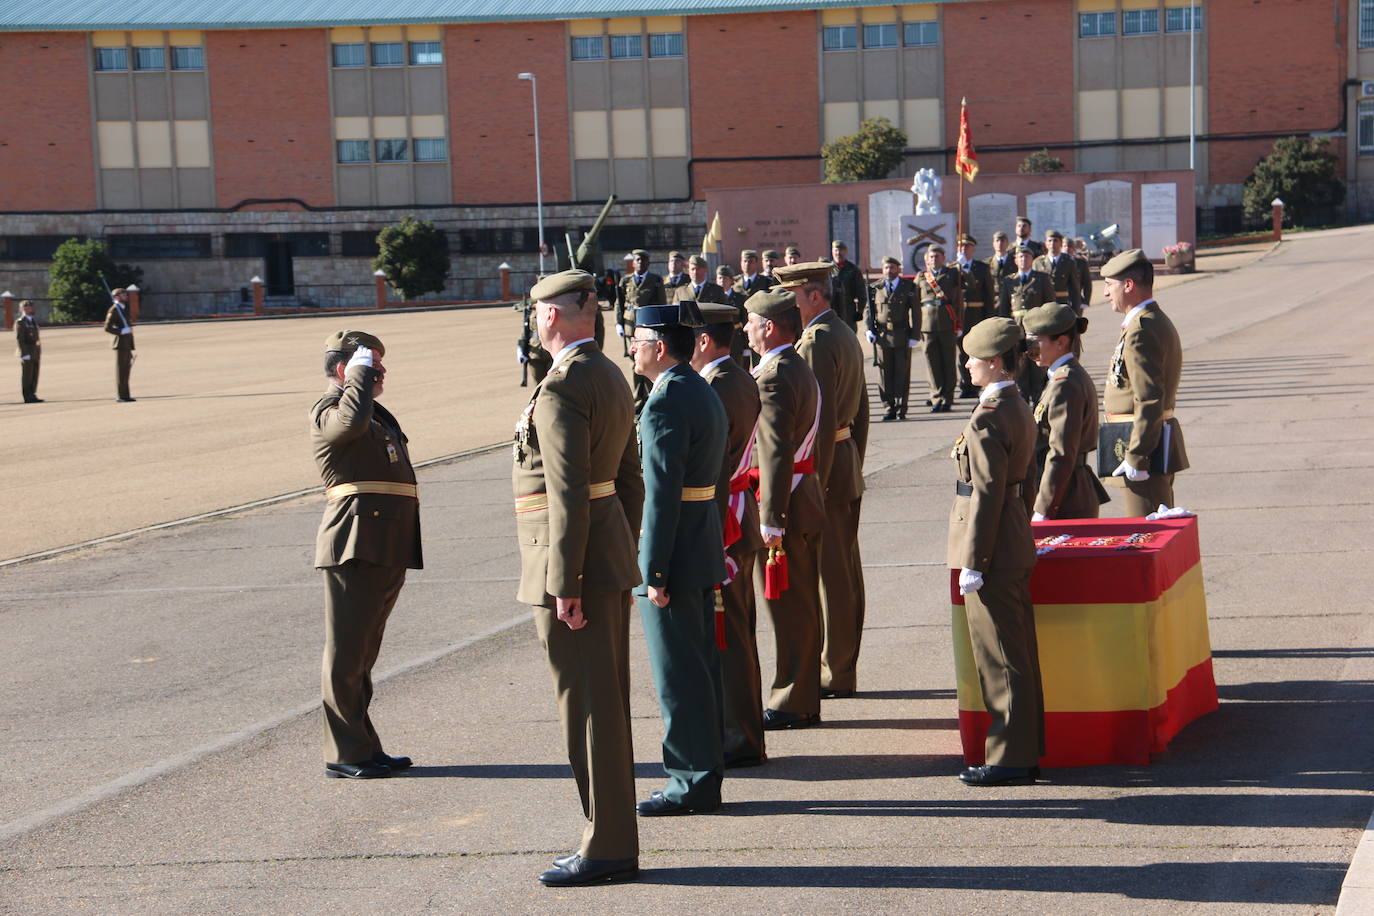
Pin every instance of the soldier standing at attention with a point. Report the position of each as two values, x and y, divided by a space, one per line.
739 347
1077 248
791 505
942 306
368 538
848 296
791 255
894 320
771 259
533 352
677 272
1061 270
638 288
742 697
1001 265
682 435
29 350
751 280
118 323
990 543
980 301
1021 292
1023 237
698 287
1066 417
578 497
1142 385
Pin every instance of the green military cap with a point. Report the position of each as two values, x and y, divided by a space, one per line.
939 248
562 283
839 243
724 271
351 340
771 303
697 260
681 314
1018 249
999 234
749 253
674 254
717 313
1054 234
24 303
891 260
772 254
795 275
1123 262
966 239
992 337
792 249
1053 319
639 253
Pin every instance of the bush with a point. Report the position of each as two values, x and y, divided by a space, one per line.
414 256
868 155
1040 161
78 278
1301 173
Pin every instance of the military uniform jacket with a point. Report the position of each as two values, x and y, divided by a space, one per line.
1037 248
788 399
682 437
116 319
740 397
673 281
1063 274
1066 416
847 291
649 291
749 287
1143 382
577 430
1022 295
990 529
894 316
942 305
832 351
979 291
710 292
26 341
998 270
356 439
1085 279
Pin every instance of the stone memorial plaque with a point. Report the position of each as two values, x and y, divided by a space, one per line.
885 212
1051 210
1158 218
844 225
986 214
1109 201
919 233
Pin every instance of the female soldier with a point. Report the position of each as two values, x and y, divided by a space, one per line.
990 544
1066 415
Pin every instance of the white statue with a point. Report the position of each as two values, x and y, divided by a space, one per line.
926 186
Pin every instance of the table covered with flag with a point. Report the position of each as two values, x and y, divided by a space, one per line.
1125 657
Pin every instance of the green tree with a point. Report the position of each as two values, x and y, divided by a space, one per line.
414 256
77 280
868 155
1039 162
1301 173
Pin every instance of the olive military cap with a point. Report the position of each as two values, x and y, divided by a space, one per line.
674 254
1123 262
966 239
1018 249
992 337
795 275
640 253
839 243
891 260
724 271
792 249
681 314
772 254
939 248
749 253
697 260
1054 234
771 303
562 283
351 340
1053 319
717 313
999 234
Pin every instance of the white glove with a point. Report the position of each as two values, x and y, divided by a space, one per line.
1165 512
26 357
126 330
1037 517
872 338
1130 472
912 344
361 357
520 356
620 329
970 580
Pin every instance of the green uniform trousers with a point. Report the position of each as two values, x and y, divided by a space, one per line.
842 595
739 665
940 372
1139 499
358 598
894 375
1001 625
124 362
796 618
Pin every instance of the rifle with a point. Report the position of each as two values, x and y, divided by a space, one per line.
870 308
523 342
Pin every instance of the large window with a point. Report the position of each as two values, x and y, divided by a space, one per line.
1366 128
1183 19
150 58
1096 25
1367 23
426 53
30 247
665 44
156 247
589 47
880 35
188 58
112 58
921 34
393 151
360 244
352 150
431 149
1139 22
840 37
387 54
350 55
627 46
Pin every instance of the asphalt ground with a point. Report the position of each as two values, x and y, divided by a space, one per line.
160 747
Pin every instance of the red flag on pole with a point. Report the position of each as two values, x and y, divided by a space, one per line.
965 159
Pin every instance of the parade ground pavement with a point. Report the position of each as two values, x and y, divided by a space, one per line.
160 738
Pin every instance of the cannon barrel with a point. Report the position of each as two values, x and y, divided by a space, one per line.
588 246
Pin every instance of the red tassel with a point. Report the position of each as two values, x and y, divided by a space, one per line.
720 620
783 584
775 573
732 530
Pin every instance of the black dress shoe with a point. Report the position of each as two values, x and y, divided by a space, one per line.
33 400
125 400
561 861
996 776
365 770
740 761
580 871
901 414
657 805
891 414
774 719
393 763
828 694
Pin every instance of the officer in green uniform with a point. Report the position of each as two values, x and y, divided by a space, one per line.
29 349
894 330
677 272
638 288
941 292
980 301
1021 292
120 324
1062 270
1024 237
533 352
1001 264
578 498
368 538
682 437
751 278
849 296
771 260
698 287
1077 248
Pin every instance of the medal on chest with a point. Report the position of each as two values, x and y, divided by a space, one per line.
958 444
1116 374
523 426
391 452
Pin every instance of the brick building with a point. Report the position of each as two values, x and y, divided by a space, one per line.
209 147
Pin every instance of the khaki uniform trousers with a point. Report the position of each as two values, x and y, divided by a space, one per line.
940 372
796 618
972 315
124 361
1139 499
28 377
894 375
591 676
1001 625
842 594
739 665
358 598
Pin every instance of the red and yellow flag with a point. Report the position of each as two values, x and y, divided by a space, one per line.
965 159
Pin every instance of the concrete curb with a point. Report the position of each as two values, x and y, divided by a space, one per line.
1357 890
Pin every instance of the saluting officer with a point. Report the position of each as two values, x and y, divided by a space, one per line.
980 301
29 349
942 308
894 329
1142 385
578 498
1062 270
368 538
1066 417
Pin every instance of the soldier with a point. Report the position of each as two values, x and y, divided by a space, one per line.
990 543
980 301
1061 270
1023 237
751 279
837 360
1021 292
118 323
791 255
942 313
791 506
1078 248
677 272
368 538
29 349
1001 265
744 744
848 296
739 348
682 436
1142 385
638 288
894 321
771 259
1066 417
531 351
578 498
698 287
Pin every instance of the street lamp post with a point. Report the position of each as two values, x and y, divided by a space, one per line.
538 175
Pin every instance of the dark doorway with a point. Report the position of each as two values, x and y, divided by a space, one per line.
281 280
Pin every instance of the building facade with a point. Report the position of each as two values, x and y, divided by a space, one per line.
261 144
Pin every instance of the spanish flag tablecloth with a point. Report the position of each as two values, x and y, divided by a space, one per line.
1125 658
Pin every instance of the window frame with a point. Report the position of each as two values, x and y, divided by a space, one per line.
634 38
1139 15
159 50
440 140
585 41
339 152
933 25
199 55
881 32
663 38
397 46
1097 17
1195 19
411 53
377 150
1364 127
137 246
100 55
847 35
353 47
1364 24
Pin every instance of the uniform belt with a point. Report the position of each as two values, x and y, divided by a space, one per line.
1123 417
843 433
966 489
698 494
536 501
379 487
